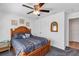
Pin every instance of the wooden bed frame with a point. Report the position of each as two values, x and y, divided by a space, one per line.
38 52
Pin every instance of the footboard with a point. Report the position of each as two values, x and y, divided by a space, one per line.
41 51
38 52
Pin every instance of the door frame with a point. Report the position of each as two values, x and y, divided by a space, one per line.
69 29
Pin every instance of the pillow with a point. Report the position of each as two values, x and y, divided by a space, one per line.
27 35
23 36
18 36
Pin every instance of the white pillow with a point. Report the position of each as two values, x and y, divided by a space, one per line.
27 35
23 36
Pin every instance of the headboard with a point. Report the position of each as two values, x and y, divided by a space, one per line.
21 29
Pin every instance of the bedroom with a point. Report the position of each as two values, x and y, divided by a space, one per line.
14 15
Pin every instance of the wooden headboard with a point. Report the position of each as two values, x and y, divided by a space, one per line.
21 29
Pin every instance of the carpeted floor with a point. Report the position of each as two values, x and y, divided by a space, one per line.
53 52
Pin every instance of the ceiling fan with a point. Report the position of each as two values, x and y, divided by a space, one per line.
36 9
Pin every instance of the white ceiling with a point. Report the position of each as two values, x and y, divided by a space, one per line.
17 8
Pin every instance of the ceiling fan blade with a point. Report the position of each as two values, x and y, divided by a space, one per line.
27 6
44 11
29 12
41 4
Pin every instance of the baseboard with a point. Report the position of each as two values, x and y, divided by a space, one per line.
74 41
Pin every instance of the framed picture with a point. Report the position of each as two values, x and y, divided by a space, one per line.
14 22
21 21
54 27
27 24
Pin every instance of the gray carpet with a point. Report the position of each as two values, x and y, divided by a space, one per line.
53 52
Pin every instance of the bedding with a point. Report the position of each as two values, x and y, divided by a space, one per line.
28 44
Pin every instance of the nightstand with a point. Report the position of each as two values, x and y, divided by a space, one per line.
5 45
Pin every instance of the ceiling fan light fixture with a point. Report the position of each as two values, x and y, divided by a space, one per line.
36 12
36 9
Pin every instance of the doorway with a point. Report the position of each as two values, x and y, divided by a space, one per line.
74 33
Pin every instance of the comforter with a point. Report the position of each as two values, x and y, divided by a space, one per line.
28 45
